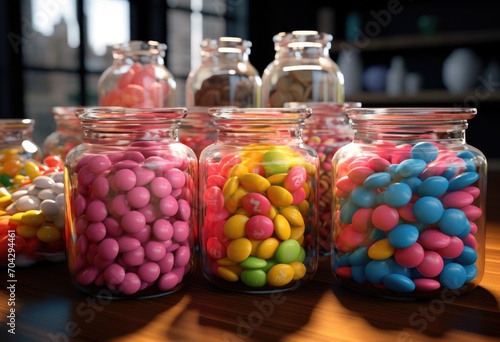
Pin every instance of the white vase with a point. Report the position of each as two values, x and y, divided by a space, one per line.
461 70
396 76
351 66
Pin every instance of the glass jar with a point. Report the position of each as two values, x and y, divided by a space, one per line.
225 77
137 77
302 70
131 194
258 201
409 204
326 130
197 129
68 132
31 198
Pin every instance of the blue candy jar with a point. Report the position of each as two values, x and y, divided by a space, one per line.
409 200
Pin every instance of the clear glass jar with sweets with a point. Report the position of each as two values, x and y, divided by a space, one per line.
31 198
197 129
137 77
68 132
302 70
409 200
131 194
258 201
326 130
225 77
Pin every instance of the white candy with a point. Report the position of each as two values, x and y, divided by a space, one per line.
49 207
18 194
58 188
58 177
46 194
43 182
27 202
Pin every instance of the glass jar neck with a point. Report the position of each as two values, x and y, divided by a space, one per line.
302 44
139 51
446 126
125 127
225 49
15 131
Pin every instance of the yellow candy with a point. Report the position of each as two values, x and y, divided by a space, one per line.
32 170
282 227
272 212
267 248
237 170
277 179
255 245
27 231
17 218
254 182
19 179
33 217
226 262
299 270
280 275
234 228
381 250
293 216
48 233
303 207
234 201
228 274
297 233
239 249
5 199
230 186
279 196
275 162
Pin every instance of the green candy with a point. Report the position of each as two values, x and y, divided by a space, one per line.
275 162
288 251
253 263
254 278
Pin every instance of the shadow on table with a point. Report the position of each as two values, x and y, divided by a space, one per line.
474 312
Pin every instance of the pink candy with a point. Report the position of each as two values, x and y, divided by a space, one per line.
133 219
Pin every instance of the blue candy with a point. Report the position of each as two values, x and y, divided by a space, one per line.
397 194
363 197
453 222
428 209
425 151
463 180
403 235
433 186
410 168
453 276
399 283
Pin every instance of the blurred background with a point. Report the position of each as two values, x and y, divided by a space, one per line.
445 52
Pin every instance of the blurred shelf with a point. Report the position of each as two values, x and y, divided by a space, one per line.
437 96
442 39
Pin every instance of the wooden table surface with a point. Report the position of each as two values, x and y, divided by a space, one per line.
49 308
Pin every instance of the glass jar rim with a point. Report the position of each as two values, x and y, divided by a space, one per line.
13 124
325 105
302 38
152 47
127 115
411 113
226 45
260 114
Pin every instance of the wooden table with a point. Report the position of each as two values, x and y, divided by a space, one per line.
49 308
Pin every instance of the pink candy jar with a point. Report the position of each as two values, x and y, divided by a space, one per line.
31 198
409 199
138 77
225 77
258 201
197 129
326 130
131 195
302 70
68 132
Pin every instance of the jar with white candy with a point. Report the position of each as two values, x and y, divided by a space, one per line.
302 70
131 190
31 198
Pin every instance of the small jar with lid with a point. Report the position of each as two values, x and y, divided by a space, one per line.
326 130
131 194
31 198
137 77
302 70
409 200
225 77
258 201
68 132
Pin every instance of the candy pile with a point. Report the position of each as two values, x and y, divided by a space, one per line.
258 217
404 218
32 211
138 87
131 220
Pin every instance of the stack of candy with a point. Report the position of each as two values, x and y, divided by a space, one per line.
32 212
258 221
405 219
